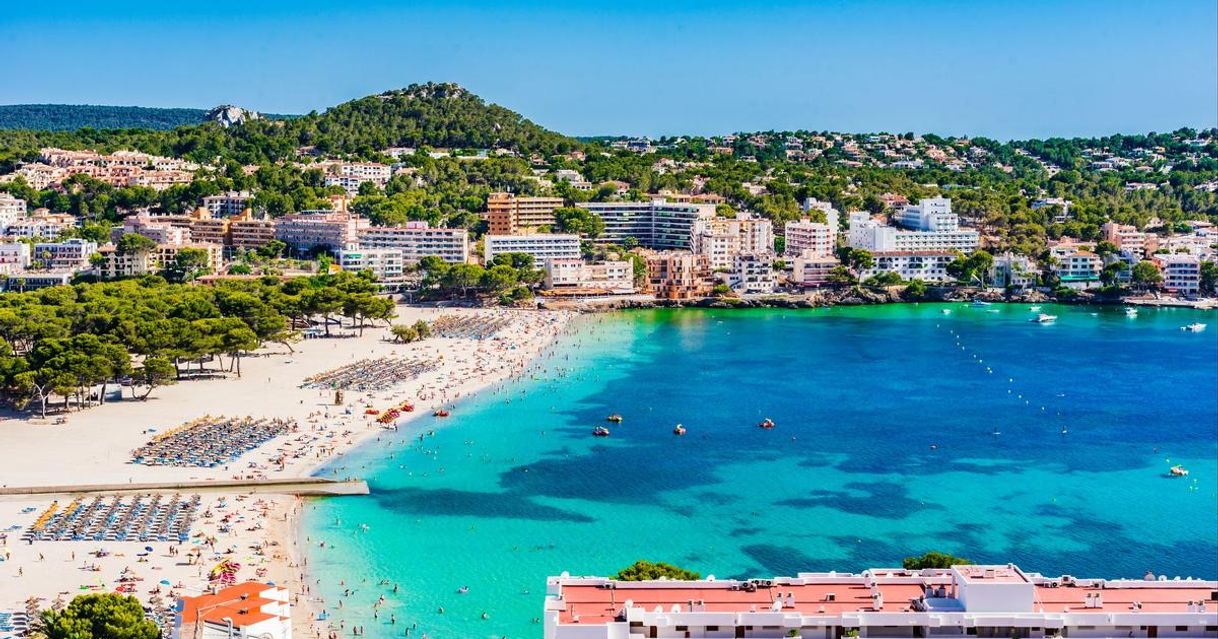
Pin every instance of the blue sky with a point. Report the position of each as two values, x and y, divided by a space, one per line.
1014 69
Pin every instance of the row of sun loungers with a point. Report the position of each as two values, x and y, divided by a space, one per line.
210 441
141 518
14 624
372 374
469 326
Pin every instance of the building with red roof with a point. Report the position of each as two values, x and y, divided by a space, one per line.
250 610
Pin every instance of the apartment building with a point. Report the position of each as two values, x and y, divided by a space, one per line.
678 274
228 204
1062 211
330 230
931 214
14 257
722 239
510 214
574 276
657 224
1181 273
1128 237
1076 264
1017 271
832 215
417 240
928 266
752 273
248 232
48 225
385 263
140 263
33 280
157 229
810 269
960 601
804 236
11 209
69 255
542 246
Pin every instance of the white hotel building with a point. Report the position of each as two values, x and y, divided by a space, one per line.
928 226
417 240
722 239
1181 273
542 246
385 263
816 239
928 266
573 276
961 601
657 224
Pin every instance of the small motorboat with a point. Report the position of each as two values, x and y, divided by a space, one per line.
1044 318
463 590
441 413
1034 308
678 430
600 431
1178 471
979 304
1131 312
1064 430
767 423
615 418
946 311
1195 327
996 432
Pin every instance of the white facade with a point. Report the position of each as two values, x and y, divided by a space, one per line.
804 236
928 266
931 214
417 240
50 225
1076 265
541 246
722 239
832 215
227 204
68 255
1181 273
14 257
752 273
657 224
614 276
11 209
385 264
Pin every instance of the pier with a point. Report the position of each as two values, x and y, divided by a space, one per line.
303 486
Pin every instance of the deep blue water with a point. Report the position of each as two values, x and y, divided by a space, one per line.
884 447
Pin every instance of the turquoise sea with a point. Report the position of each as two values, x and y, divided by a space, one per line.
885 446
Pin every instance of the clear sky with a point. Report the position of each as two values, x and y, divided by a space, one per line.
1010 69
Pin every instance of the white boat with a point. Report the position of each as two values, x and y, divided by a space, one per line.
1194 328
1034 309
1044 319
946 311
979 304
1131 312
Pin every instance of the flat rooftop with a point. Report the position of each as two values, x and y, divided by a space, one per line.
991 574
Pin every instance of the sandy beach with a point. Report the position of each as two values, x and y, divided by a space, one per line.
258 531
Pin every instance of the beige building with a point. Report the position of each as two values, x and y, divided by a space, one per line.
140 263
573 276
722 239
678 275
509 214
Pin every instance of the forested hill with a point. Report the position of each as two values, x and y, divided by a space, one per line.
69 117
435 115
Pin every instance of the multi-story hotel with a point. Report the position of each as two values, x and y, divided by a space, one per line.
68 255
11 209
811 270
678 274
1128 237
542 246
573 276
1181 273
331 230
385 263
1075 263
961 601
928 266
227 204
158 229
48 225
722 239
929 226
509 214
14 257
248 232
656 224
139 263
804 236
417 240
752 273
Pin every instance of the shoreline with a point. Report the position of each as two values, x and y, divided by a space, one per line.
261 529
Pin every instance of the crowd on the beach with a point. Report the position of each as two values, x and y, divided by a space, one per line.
210 441
372 374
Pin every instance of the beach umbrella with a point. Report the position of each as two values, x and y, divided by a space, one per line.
165 582
148 548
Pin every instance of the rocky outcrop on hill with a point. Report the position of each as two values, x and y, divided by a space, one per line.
227 115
